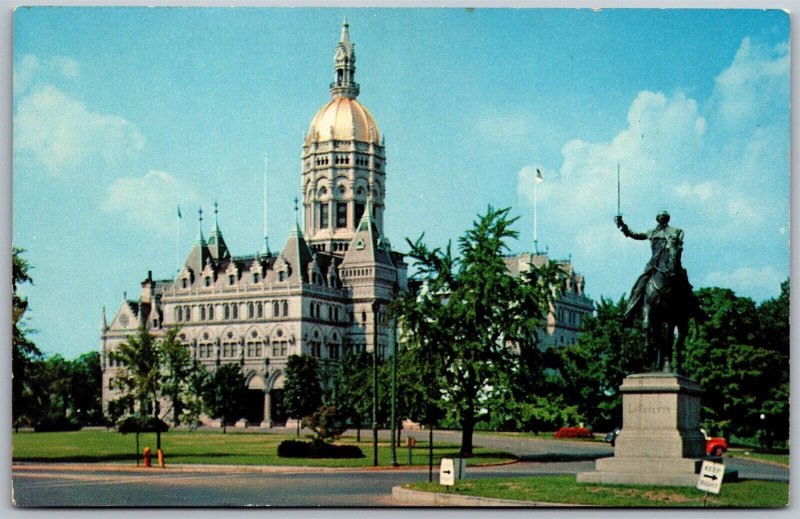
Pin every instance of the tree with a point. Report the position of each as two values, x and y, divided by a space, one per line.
139 379
773 316
176 366
593 368
85 393
225 394
723 355
353 393
302 392
24 352
475 320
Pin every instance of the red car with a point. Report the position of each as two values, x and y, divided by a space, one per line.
715 446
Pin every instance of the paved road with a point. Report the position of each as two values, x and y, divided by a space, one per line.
82 485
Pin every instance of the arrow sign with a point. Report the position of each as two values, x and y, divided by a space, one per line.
710 477
446 472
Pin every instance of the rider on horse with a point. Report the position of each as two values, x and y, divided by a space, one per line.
666 243
662 292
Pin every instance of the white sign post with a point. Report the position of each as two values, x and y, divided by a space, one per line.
452 469
710 477
447 474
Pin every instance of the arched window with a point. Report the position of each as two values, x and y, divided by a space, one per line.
285 308
188 311
210 312
251 310
235 308
275 309
178 314
260 309
202 313
226 311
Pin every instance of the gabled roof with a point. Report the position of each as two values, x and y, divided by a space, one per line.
297 253
367 247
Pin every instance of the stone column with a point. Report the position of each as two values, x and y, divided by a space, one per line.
267 422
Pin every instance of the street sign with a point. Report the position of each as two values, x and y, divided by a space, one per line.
451 470
710 477
447 474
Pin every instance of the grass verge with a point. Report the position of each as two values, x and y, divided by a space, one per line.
240 448
782 459
564 489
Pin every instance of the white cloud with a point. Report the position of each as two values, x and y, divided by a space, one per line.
723 183
149 201
29 69
61 132
759 282
701 191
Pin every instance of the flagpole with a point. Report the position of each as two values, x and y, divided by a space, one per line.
266 236
178 242
535 216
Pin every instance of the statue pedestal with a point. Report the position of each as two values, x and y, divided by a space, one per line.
660 442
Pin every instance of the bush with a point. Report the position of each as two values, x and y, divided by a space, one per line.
298 449
574 432
327 422
56 424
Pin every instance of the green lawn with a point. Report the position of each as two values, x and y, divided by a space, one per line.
783 459
564 489
234 448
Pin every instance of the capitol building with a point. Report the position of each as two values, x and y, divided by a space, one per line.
325 292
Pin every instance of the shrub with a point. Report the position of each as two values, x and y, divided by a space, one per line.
574 432
299 449
56 424
327 422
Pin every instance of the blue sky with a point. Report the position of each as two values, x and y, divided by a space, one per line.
121 114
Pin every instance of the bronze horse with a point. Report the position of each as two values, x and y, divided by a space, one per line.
663 293
666 310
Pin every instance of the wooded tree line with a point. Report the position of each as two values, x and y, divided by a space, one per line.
468 357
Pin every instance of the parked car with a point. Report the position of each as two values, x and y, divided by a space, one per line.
611 437
715 446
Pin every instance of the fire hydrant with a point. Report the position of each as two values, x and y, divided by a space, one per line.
147 455
160 458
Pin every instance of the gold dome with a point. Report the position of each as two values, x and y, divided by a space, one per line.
343 119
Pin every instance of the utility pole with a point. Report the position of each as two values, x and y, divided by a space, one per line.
375 307
394 394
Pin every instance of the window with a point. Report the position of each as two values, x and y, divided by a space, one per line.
235 309
333 351
202 313
210 312
188 312
316 349
227 311
231 279
330 313
275 309
282 275
359 211
341 214
251 310
207 281
178 314
285 308
279 348
184 284
323 214
259 309
256 277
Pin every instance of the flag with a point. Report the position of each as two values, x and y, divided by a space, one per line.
539 177
179 212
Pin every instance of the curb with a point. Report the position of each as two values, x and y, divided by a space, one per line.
424 499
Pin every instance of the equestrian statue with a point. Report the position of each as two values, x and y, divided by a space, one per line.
662 294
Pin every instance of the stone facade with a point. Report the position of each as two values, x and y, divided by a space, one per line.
570 308
321 295
318 295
